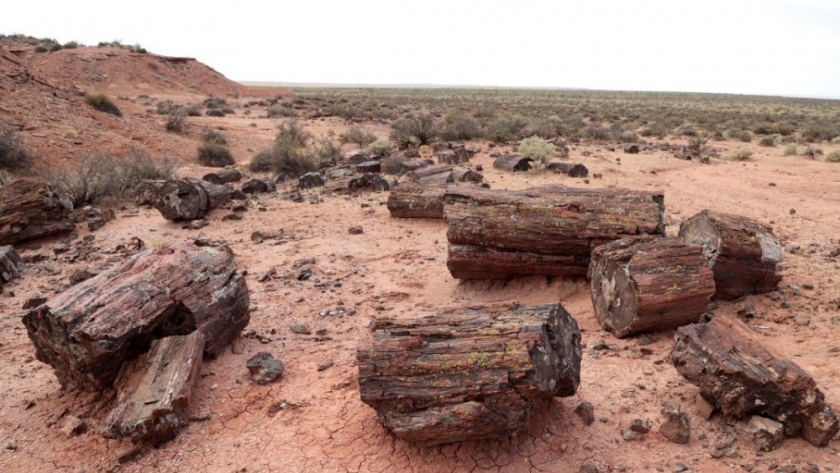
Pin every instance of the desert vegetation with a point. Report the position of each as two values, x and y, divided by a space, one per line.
103 103
13 153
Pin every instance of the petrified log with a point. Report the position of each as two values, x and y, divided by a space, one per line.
646 283
572 169
430 173
468 373
30 210
310 180
368 166
223 177
415 164
259 186
513 163
87 331
631 149
155 391
742 253
189 199
350 184
11 264
148 191
412 200
548 231
741 376
466 175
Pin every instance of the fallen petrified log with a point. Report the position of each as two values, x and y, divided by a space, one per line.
369 166
513 163
547 231
571 169
466 175
468 373
30 210
12 266
646 283
310 180
259 186
155 390
223 177
86 332
189 199
742 253
411 200
431 173
350 184
741 376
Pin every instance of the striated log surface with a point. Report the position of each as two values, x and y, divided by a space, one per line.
30 210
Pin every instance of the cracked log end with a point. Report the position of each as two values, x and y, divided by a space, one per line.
741 376
468 373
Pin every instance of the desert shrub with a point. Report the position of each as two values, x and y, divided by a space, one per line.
358 135
102 178
292 133
460 128
697 144
790 149
176 122
215 155
393 164
537 149
595 132
41 48
215 112
623 133
812 152
835 140
277 111
506 128
740 155
833 157
215 137
13 154
327 153
215 102
738 135
102 103
286 160
656 129
380 147
416 130
71 45
768 141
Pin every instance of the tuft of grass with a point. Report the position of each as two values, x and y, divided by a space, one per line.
285 160
176 122
833 157
414 130
214 137
459 127
393 164
358 135
768 141
537 149
790 149
13 154
103 103
380 147
214 155
740 155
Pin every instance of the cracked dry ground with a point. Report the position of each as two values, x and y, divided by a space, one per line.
313 420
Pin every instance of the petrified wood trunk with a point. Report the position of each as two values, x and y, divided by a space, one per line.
549 230
87 331
259 186
350 184
223 177
466 175
432 173
741 376
647 283
155 391
30 210
469 373
412 200
310 180
11 264
742 253
572 169
369 166
189 199
513 163
148 192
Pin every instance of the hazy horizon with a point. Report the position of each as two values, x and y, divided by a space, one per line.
750 47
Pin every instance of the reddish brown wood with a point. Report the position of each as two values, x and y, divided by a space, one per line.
155 391
743 254
11 264
431 173
466 175
550 230
223 177
352 184
513 163
468 373
411 200
87 331
30 210
189 199
648 283
741 376
368 166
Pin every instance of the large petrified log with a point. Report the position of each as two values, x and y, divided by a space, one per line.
513 163
571 169
350 184
743 253
548 231
410 200
466 175
189 199
155 390
223 177
646 283
11 264
741 376
431 173
468 373
30 210
87 331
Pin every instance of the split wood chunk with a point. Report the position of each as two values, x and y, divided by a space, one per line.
189 199
310 180
513 163
431 174
86 332
412 200
350 184
155 391
468 373
12 266
743 254
741 376
223 177
369 166
466 175
30 210
648 283
571 169
549 230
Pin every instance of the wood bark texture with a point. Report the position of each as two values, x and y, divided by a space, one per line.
513 163
223 177
86 332
189 199
155 391
741 376
411 200
549 230
11 264
743 254
648 283
30 210
468 373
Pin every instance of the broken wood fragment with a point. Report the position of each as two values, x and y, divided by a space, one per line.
30 210
189 199
513 163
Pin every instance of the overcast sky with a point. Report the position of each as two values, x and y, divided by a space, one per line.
772 47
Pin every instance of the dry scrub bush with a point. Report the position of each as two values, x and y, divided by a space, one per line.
790 149
833 157
767 141
380 147
506 128
176 122
393 165
537 149
13 154
458 127
215 155
414 131
211 136
740 155
103 103
358 135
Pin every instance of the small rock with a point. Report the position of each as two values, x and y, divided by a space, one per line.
129 452
792 211
747 312
326 365
767 434
237 346
644 339
300 328
589 467
197 224
676 427
803 320
83 274
264 368
34 301
807 285
793 249
11 446
60 248
640 425
357 230
232 216
600 345
586 411
630 436
73 427
679 468
704 408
